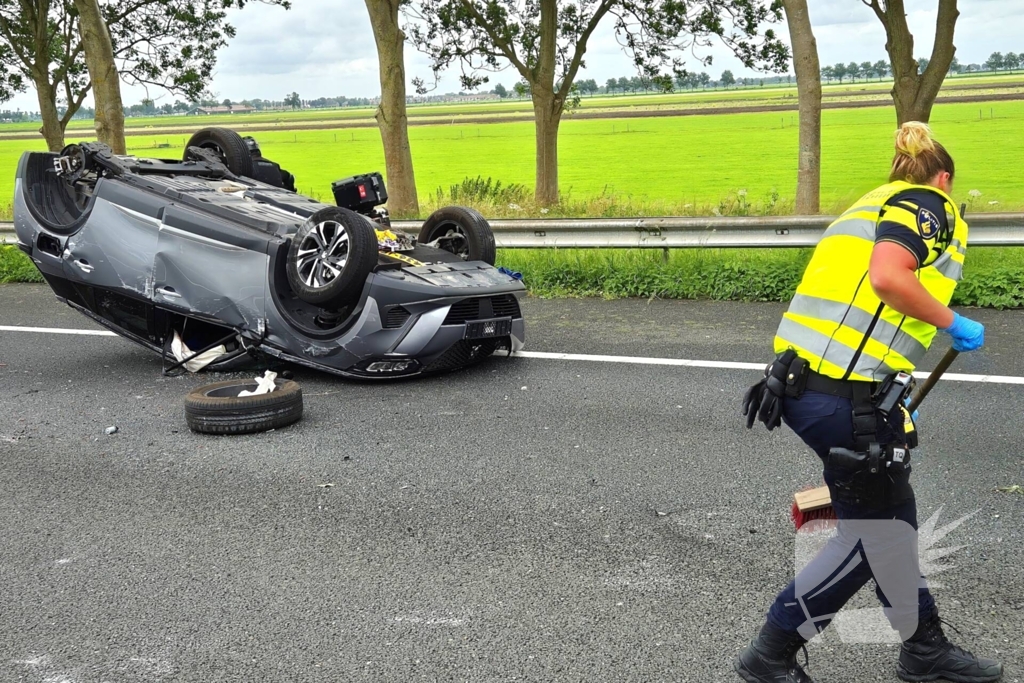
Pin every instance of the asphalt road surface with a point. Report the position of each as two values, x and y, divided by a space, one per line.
526 520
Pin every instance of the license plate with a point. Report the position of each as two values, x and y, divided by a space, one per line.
484 329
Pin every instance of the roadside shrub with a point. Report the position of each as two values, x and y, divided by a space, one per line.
1000 287
480 191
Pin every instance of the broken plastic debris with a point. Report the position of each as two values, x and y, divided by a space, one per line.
110 430
181 352
264 385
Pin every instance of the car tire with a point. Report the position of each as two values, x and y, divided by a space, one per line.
329 269
217 409
477 239
228 145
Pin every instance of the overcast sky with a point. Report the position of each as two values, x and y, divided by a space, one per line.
324 48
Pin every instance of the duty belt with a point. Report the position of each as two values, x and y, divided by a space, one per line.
845 388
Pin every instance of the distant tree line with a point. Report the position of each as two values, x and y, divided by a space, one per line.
840 73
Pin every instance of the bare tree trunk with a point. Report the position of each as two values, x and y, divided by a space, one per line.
914 93
547 106
547 115
52 130
391 114
808 86
106 85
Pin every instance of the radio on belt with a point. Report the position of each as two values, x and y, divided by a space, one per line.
892 392
360 193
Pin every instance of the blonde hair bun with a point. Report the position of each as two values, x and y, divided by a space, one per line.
914 137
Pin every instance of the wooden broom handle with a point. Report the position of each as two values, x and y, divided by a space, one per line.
937 373
932 379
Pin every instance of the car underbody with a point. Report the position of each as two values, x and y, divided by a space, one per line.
187 253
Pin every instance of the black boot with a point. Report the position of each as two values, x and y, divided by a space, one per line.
929 656
771 658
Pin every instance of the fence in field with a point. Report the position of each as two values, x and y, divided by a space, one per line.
987 230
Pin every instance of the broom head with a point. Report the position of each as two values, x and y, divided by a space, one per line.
812 504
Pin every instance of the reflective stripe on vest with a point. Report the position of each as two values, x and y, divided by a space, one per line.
837 322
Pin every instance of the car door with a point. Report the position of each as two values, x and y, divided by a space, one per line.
206 268
114 250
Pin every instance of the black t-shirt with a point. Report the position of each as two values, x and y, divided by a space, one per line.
916 219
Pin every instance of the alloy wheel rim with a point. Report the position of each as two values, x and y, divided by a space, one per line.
322 254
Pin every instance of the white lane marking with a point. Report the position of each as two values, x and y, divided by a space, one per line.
57 330
732 365
639 360
633 360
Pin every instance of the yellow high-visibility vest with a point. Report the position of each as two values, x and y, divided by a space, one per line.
836 321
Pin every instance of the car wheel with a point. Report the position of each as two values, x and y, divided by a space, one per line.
462 231
330 257
217 409
228 145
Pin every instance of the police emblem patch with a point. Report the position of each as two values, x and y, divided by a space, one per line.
927 223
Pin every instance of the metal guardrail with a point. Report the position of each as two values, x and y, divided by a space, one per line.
987 230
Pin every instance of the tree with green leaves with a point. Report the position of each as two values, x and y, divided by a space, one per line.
545 42
867 70
995 61
853 71
500 91
727 78
170 44
293 101
882 68
915 87
839 72
828 73
1011 61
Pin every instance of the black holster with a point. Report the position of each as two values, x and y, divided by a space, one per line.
877 477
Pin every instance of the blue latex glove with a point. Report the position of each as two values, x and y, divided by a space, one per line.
967 334
913 415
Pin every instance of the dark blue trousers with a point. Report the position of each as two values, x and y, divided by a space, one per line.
825 422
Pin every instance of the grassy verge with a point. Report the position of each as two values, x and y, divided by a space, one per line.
16 267
993 278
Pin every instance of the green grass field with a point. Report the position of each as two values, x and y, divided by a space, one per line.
680 165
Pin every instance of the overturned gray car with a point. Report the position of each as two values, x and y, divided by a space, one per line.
217 254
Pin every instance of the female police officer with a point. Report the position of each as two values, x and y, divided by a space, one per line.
870 302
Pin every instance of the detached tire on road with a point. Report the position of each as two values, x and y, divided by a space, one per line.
462 231
217 409
228 145
330 257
